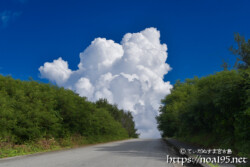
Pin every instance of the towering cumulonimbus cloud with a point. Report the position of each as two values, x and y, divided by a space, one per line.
129 74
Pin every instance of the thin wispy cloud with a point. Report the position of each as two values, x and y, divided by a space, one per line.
7 16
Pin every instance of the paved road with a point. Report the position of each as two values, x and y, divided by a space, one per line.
128 153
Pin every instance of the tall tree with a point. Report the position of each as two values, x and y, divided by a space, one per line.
242 52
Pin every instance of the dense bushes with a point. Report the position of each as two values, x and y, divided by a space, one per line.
215 107
213 110
125 118
30 111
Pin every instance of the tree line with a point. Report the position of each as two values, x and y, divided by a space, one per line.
30 110
212 110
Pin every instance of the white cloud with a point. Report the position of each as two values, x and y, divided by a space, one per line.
57 71
84 87
8 16
129 74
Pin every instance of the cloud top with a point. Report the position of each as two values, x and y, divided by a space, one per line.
129 74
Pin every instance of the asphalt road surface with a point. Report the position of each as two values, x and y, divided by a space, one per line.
128 153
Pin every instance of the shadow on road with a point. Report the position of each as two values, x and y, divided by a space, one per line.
149 148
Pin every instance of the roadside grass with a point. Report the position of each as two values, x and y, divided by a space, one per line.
8 149
213 165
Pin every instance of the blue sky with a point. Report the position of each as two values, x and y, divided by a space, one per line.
198 33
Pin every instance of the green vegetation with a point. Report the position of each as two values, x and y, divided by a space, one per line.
125 118
213 110
213 165
36 117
